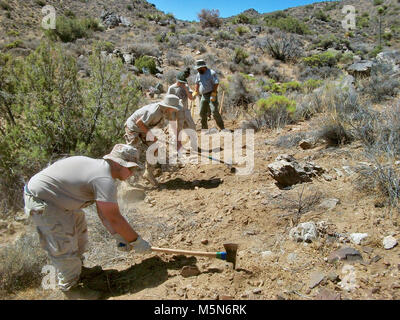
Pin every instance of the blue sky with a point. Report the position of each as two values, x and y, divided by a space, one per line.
187 10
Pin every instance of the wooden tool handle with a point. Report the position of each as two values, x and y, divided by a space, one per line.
186 252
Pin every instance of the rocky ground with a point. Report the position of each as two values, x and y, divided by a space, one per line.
322 239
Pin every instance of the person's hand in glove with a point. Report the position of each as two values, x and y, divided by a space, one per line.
195 94
139 246
213 96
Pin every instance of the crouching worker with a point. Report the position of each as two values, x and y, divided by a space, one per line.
54 199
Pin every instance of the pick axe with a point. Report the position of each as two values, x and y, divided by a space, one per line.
229 255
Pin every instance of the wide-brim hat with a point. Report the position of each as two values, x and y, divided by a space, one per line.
125 155
200 64
181 77
171 101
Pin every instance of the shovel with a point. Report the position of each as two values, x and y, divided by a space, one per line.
229 255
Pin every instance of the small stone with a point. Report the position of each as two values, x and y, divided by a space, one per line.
266 254
315 279
329 204
190 271
333 277
325 294
225 297
374 290
376 259
257 291
306 232
347 253
327 177
305 144
358 237
204 241
389 242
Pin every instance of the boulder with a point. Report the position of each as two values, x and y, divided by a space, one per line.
362 68
287 171
304 232
391 58
128 58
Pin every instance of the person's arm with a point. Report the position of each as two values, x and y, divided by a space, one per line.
112 219
144 128
189 93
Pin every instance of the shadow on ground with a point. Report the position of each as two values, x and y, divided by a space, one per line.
149 273
180 184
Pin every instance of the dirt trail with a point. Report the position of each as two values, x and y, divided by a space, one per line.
200 207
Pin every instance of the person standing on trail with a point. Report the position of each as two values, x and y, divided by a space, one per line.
207 87
183 92
54 199
139 125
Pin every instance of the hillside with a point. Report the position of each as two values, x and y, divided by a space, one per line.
317 218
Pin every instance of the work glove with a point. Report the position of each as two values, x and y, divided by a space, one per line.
195 94
139 246
213 97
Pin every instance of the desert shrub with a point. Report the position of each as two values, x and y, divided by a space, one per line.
363 21
281 46
224 35
240 55
276 110
243 19
14 44
70 29
281 88
5 6
286 23
317 73
241 30
21 264
329 41
238 95
374 52
325 59
381 85
173 59
321 15
144 49
146 63
209 18
49 113
188 61
170 76
378 2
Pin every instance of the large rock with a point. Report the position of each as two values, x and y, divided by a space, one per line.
362 68
391 58
304 232
287 171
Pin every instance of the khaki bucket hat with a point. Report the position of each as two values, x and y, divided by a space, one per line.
171 101
125 155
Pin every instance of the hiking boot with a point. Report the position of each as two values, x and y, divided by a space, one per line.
82 293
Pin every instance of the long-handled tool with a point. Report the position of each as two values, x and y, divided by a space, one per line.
229 255
229 165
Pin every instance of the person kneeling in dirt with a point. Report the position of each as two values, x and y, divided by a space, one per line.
54 199
139 124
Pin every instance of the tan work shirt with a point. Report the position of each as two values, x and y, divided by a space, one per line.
74 183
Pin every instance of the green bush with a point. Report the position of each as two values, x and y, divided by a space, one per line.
241 30
311 85
70 29
375 51
47 112
276 110
240 55
286 23
321 15
378 2
146 62
243 19
282 88
324 59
